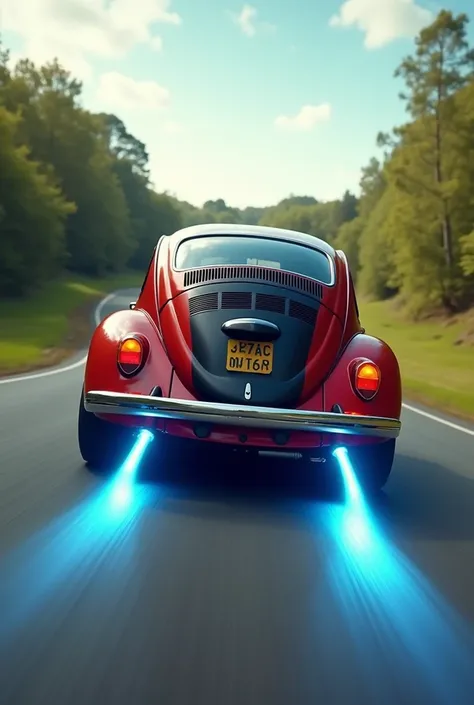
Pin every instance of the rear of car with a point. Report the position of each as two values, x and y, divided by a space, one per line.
264 347
251 304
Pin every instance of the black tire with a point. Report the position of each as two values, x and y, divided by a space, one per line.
103 445
373 464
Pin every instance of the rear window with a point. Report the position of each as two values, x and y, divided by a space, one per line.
231 250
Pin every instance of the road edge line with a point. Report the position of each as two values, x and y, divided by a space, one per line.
439 419
67 368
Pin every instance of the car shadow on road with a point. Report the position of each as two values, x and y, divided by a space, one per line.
217 485
422 499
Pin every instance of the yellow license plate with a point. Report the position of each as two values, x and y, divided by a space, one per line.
244 356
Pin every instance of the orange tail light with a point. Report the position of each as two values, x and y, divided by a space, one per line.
131 356
367 380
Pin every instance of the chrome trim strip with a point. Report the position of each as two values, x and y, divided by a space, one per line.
251 326
99 402
332 266
348 285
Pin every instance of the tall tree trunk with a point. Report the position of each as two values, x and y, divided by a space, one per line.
446 221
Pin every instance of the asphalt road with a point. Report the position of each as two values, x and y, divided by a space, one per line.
225 585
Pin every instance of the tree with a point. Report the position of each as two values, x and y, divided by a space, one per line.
32 215
70 144
467 259
442 65
377 277
220 212
252 215
91 163
124 146
373 183
345 210
348 240
160 217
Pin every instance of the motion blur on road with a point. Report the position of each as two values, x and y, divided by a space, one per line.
224 584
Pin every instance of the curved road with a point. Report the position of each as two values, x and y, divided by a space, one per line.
226 587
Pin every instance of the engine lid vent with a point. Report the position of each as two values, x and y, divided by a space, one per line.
245 301
202 303
204 275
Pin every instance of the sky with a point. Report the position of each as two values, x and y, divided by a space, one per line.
245 102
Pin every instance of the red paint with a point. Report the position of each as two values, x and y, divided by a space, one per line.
338 388
179 391
325 344
336 323
175 317
162 310
102 372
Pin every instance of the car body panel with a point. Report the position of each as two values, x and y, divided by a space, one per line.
183 315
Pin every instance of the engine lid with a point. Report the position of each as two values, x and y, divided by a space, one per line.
266 345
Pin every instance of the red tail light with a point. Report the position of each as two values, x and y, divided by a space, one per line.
131 356
366 380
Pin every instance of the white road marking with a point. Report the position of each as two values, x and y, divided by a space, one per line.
67 368
97 319
432 417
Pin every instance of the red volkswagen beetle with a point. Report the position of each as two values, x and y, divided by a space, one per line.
248 337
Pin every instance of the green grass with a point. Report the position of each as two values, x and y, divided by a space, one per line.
44 327
434 370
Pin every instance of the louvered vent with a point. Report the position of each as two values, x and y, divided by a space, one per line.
302 312
236 299
204 302
192 277
262 302
269 302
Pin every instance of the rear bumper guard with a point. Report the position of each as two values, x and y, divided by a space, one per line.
257 417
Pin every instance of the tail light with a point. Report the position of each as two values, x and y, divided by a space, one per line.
131 356
366 379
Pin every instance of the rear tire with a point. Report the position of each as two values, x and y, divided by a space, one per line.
103 445
373 464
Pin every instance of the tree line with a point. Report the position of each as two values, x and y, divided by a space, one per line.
412 234
75 192
76 195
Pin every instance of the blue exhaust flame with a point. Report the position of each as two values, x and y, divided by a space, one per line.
351 485
122 490
398 621
355 525
80 538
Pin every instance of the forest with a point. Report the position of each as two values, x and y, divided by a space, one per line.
76 194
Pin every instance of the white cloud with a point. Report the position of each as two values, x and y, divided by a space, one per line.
382 21
119 91
307 118
248 23
246 20
77 31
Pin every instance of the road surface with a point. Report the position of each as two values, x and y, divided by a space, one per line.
221 587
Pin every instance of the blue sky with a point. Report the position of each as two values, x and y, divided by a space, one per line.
207 85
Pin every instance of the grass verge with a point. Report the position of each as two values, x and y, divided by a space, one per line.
436 370
46 328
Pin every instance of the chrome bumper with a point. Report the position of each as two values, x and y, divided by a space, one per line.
236 415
